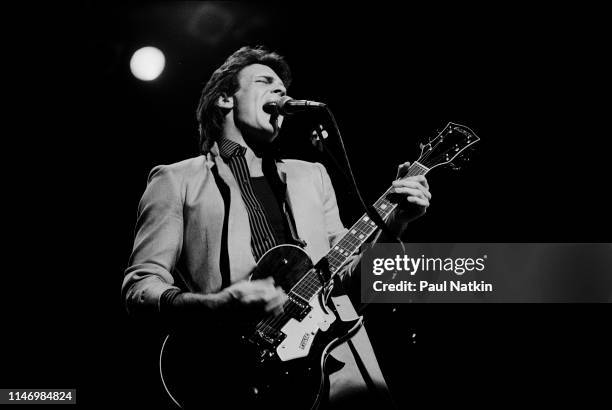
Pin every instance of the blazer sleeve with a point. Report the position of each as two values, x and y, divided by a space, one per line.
157 244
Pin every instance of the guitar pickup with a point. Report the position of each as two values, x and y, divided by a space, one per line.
269 337
298 307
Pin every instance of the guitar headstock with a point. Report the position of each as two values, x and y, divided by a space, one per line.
453 141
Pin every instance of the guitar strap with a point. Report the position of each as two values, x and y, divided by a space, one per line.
279 187
224 263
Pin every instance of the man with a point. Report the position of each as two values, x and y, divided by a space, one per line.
204 222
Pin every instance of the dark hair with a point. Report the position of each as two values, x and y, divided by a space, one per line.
224 81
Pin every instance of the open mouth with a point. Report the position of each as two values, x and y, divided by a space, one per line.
275 120
271 107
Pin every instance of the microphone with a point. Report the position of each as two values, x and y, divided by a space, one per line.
287 106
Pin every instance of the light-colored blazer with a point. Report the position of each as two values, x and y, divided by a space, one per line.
180 219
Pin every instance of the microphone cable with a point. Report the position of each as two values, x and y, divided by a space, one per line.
370 211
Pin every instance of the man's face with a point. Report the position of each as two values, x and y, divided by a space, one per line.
258 85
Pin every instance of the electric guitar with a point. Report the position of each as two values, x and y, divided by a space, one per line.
283 361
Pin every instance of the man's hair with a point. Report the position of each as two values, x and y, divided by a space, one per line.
224 81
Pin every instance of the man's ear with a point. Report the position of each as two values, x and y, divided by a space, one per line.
225 101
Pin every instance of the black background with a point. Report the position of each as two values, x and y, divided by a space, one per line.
81 134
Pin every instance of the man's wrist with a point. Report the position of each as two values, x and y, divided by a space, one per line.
173 300
168 299
225 298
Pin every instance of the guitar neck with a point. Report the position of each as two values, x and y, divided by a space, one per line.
354 238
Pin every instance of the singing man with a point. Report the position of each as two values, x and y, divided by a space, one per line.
203 223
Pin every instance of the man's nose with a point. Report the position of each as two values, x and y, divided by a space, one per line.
280 90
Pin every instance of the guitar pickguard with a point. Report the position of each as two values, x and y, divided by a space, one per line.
301 334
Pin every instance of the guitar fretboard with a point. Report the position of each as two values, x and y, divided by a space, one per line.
350 243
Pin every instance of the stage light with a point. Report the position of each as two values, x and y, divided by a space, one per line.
147 63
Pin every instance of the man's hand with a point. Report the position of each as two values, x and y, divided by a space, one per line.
413 194
242 301
257 296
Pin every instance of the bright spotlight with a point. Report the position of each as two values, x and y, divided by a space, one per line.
147 63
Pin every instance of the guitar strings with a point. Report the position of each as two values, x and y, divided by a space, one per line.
309 285
272 321
292 308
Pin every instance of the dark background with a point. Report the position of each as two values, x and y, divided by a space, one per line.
532 83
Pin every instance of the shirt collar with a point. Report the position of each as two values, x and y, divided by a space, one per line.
230 149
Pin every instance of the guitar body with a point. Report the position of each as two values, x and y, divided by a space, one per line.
280 362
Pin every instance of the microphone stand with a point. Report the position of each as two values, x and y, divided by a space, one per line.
318 141
370 211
